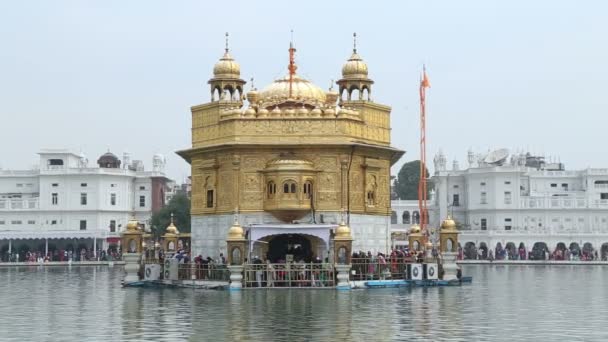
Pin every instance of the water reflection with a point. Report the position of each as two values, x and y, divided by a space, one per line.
503 303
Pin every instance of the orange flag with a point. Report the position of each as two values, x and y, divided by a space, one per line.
425 80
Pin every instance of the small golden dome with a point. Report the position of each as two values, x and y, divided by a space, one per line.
249 112
415 229
329 111
302 111
331 97
171 228
263 112
302 91
316 112
354 68
226 67
236 232
252 97
448 224
276 111
132 225
343 231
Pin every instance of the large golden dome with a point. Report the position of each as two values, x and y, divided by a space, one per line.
226 67
302 91
354 68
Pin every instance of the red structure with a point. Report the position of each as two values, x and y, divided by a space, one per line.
422 187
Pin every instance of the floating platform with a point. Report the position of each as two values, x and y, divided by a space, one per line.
369 284
416 283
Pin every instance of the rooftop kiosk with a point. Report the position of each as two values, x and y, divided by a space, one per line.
237 249
343 242
448 245
132 247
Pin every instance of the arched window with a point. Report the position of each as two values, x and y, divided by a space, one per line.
308 189
355 94
365 94
406 217
290 187
416 217
393 217
271 189
371 198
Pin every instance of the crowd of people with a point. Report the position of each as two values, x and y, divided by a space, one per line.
559 254
60 255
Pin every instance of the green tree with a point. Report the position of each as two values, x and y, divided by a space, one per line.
179 205
406 185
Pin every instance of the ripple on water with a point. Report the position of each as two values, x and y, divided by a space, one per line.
504 303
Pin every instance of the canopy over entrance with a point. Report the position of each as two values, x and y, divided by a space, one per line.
259 232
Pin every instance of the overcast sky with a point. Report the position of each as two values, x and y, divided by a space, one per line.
122 75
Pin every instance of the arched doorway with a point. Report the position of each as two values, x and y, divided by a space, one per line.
575 249
604 251
498 251
538 251
470 251
284 245
511 251
484 251
588 251
560 251
522 251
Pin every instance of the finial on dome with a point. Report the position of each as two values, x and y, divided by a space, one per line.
236 215
292 64
354 42
227 42
252 86
331 85
342 212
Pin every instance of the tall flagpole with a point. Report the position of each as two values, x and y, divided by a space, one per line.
422 186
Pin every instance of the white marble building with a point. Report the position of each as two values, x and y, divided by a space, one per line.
520 200
67 203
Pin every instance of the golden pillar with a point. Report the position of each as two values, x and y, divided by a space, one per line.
132 238
416 238
236 244
343 244
448 236
170 237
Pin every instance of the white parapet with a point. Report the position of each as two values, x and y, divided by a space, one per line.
132 263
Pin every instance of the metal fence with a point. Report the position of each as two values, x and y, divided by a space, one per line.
289 275
374 269
203 272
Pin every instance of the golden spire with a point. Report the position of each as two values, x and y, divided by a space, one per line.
227 42
292 64
354 42
171 228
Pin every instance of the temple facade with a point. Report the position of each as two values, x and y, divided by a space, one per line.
291 160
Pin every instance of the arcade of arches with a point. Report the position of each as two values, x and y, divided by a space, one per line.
511 250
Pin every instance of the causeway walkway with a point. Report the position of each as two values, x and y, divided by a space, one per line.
531 262
62 263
